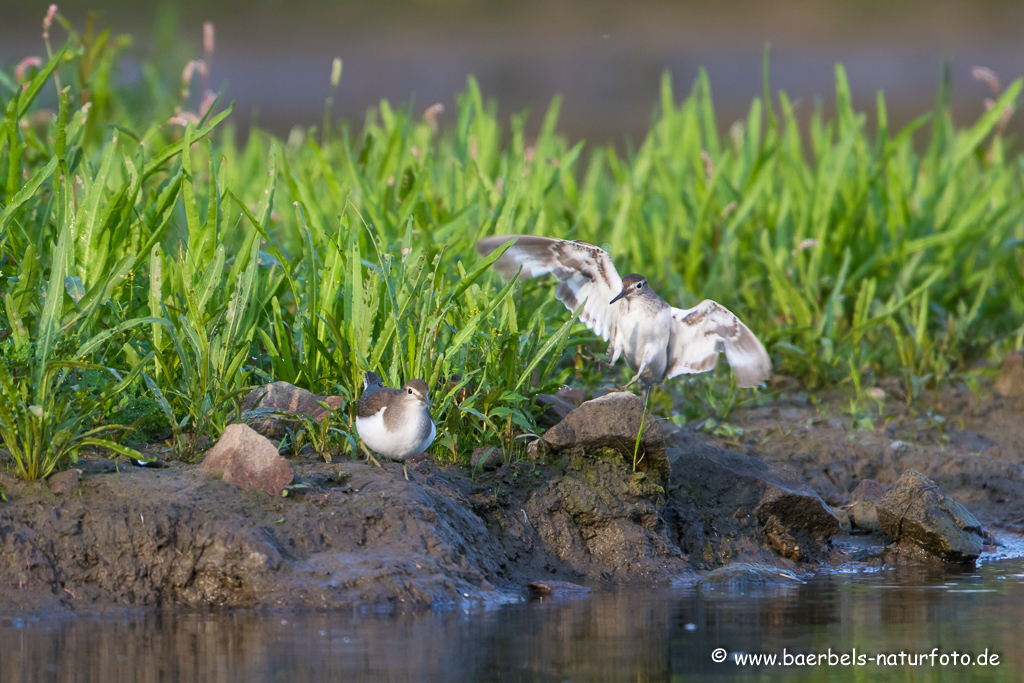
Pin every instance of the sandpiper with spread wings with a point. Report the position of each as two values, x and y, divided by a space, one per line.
395 423
657 340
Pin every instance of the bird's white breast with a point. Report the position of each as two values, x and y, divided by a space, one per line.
646 332
400 444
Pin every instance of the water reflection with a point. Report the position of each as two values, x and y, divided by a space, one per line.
666 635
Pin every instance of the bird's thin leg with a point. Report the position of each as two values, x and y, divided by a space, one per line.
369 455
643 366
405 471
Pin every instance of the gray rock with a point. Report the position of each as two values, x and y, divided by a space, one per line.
612 421
555 409
845 523
795 520
863 501
915 512
282 397
248 460
868 490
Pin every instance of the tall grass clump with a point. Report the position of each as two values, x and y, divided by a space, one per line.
146 250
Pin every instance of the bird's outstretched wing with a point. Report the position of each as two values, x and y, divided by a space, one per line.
584 273
700 333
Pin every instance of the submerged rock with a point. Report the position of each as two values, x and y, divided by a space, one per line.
248 460
916 513
746 574
729 486
556 589
260 404
863 501
612 421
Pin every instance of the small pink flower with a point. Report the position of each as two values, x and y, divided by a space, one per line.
208 38
24 65
48 21
196 65
987 76
183 119
209 97
431 114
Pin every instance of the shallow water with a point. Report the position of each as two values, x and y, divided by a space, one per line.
655 635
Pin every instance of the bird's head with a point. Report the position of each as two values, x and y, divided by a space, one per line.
416 390
633 286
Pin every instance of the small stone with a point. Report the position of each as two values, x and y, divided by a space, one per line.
573 396
487 457
1010 383
863 501
248 460
898 446
64 482
877 393
555 409
536 449
844 518
547 589
893 387
864 516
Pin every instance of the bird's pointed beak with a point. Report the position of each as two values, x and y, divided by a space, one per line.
617 297
427 401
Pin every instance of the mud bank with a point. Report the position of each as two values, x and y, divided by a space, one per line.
349 534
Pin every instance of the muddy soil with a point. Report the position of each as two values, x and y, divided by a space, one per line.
970 443
349 534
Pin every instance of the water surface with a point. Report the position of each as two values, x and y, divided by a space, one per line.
652 635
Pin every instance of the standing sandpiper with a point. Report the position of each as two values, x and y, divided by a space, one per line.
658 341
395 422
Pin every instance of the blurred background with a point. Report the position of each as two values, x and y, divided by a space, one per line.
606 58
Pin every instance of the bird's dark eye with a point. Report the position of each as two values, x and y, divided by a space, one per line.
639 285
410 391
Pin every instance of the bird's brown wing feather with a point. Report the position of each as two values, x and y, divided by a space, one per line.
700 333
584 273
